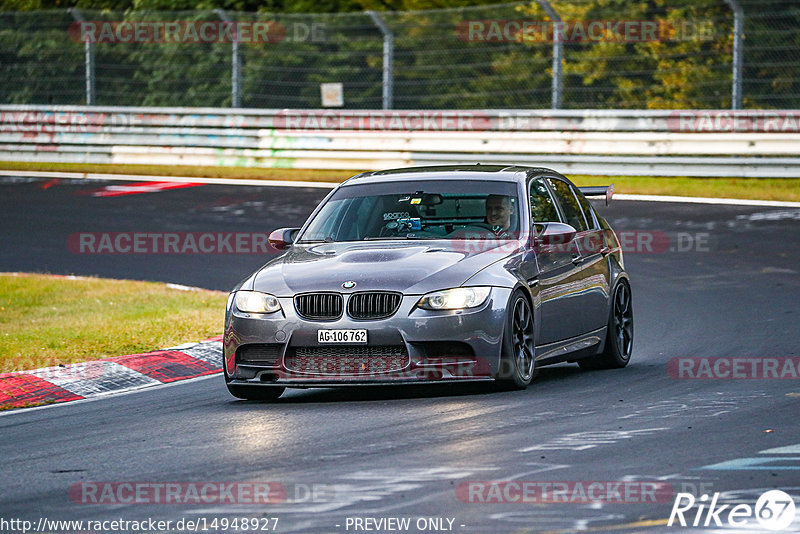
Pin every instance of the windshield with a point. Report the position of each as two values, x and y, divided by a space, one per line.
418 210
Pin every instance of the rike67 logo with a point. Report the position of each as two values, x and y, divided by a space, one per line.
774 510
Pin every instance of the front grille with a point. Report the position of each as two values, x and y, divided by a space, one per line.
373 305
347 361
319 306
266 354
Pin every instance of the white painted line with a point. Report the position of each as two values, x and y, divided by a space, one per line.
181 287
182 346
764 463
109 395
330 185
214 181
43 174
170 285
707 200
181 179
789 449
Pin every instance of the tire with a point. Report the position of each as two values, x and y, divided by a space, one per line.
261 393
518 361
619 333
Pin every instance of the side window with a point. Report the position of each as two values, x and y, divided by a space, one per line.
542 207
569 204
586 208
327 219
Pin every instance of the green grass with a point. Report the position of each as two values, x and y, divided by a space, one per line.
746 188
249 173
46 321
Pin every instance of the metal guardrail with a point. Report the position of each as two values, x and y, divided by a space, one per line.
600 142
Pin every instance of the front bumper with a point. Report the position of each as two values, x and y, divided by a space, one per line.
429 339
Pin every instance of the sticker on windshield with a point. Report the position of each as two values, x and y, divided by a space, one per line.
394 215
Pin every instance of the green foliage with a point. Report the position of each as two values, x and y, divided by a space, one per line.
435 66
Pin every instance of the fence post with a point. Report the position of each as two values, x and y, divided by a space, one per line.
236 66
558 53
738 52
388 58
88 59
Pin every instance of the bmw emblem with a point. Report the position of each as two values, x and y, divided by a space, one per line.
349 284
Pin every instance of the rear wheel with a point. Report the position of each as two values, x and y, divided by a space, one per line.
262 393
619 334
518 363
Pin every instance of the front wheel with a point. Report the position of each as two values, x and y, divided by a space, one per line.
619 333
262 393
518 362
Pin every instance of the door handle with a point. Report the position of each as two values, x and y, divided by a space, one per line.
577 259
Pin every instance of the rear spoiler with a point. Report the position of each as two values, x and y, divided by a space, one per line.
599 191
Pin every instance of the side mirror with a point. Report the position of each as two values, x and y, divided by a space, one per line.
554 233
282 237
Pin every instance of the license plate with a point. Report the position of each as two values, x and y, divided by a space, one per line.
341 336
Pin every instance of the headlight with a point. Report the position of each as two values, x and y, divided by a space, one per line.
256 302
455 299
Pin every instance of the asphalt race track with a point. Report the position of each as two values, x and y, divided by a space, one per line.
724 284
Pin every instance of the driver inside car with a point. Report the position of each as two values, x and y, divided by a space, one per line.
499 209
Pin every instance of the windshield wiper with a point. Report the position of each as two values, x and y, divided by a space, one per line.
312 241
396 237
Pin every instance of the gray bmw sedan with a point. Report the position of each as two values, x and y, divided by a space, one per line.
423 274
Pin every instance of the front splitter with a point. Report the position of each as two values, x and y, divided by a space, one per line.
317 383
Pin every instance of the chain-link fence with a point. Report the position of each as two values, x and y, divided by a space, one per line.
569 54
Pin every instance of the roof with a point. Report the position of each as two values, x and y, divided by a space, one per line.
503 173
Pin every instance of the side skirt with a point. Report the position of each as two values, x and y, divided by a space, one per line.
571 350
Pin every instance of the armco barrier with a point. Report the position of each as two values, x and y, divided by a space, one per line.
619 142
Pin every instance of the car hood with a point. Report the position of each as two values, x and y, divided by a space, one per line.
411 268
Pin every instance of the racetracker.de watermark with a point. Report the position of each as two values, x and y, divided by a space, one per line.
194 32
170 243
564 492
630 242
733 368
148 525
689 121
299 368
32 122
149 243
584 31
426 120
167 493
49 122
